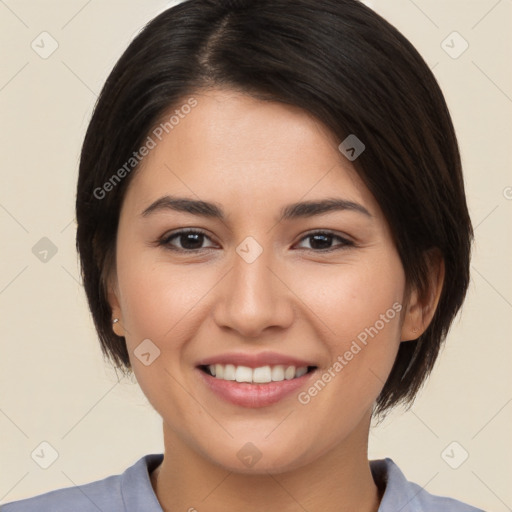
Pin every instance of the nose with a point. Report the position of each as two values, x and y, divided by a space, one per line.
254 297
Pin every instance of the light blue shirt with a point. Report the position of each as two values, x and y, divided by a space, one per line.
132 492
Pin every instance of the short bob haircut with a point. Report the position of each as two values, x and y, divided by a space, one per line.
339 61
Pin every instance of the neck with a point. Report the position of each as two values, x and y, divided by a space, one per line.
337 481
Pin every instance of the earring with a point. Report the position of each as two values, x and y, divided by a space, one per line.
115 320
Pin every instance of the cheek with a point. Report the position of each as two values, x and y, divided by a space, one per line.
157 296
351 298
357 313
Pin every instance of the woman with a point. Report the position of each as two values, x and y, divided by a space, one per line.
307 146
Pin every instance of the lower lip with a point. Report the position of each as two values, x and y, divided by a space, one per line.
253 395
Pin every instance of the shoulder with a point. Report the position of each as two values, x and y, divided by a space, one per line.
103 495
400 494
110 493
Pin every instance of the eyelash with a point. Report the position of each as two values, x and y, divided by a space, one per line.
165 241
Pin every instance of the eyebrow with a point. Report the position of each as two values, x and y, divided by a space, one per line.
291 211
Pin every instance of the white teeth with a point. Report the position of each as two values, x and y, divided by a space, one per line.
301 371
260 375
229 372
278 373
243 374
289 373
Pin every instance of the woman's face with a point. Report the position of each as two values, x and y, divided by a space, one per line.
256 295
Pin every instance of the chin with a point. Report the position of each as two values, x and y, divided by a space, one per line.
260 457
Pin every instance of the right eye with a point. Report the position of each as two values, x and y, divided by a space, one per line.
191 240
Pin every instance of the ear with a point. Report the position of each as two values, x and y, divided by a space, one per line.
113 300
422 306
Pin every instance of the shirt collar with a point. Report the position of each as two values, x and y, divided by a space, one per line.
399 494
136 488
138 493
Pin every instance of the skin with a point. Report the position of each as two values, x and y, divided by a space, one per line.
252 158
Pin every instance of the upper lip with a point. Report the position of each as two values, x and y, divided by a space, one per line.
255 360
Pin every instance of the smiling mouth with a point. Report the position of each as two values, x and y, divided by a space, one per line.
259 375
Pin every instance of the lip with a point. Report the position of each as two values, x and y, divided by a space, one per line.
265 358
249 395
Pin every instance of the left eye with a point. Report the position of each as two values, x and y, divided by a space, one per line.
192 240
321 241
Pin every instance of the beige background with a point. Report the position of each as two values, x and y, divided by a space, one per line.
54 386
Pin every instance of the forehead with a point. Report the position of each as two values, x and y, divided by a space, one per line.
235 149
